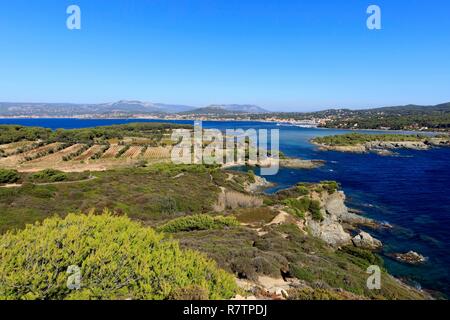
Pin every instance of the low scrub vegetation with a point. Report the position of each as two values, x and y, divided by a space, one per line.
299 207
117 259
262 215
198 222
9 176
48 175
285 250
351 139
14 133
140 193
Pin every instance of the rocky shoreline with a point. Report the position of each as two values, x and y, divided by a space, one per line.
336 229
385 147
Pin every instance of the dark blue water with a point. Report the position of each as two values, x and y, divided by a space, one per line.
410 191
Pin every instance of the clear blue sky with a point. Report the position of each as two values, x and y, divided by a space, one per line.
283 55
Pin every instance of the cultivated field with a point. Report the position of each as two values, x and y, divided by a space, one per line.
94 158
31 149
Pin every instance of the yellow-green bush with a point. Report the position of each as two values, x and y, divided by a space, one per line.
118 258
198 222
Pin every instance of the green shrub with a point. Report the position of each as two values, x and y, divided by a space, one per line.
301 204
118 259
330 186
367 256
48 175
168 205
9 176
296 212
251 176
314 208
302 190
198 222
269 201
302 273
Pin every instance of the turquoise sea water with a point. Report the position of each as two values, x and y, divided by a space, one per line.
410 191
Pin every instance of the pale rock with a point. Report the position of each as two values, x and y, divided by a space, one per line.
366 241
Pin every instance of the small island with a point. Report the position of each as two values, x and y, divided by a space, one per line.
382 144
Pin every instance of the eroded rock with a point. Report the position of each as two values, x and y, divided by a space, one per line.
410 257
366 241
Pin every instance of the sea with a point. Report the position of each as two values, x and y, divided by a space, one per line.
410 191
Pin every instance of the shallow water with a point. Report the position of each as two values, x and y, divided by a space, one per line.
410 191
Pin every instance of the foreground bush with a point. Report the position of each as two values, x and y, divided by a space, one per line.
9 176
118 259
198 222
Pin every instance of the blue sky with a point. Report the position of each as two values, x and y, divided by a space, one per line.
284 55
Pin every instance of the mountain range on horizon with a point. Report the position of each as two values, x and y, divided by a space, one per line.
129 107
136 107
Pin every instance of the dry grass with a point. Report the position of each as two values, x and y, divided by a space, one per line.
233 200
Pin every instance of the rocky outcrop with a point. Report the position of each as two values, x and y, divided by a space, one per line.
366 241
335 214
382 145
386 147
294 163
410 257
330 231
354 148
257 185
334 205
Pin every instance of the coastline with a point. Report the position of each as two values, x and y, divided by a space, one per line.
342 228
425 132
254 121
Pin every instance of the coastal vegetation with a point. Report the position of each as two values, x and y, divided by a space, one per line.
207 226
198 222
429 122
141 263
382 144
352 139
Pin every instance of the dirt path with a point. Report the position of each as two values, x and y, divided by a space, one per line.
16 185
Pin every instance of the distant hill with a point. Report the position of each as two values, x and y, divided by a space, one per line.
127 107
226 109
408 117
412 108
